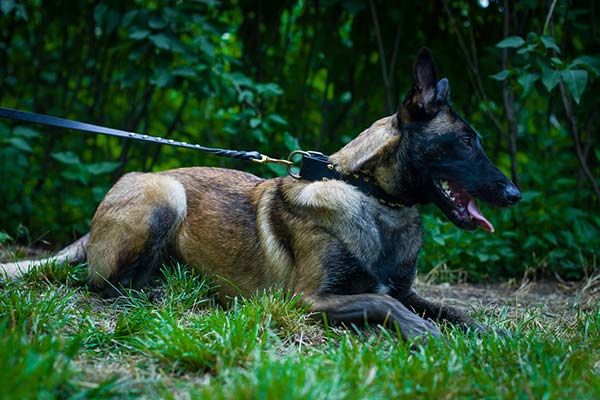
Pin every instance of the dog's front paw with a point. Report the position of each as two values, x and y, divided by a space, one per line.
483 329
501 332
420 330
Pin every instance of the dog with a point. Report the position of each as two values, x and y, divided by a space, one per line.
351 255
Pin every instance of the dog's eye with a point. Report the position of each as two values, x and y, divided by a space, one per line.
467 140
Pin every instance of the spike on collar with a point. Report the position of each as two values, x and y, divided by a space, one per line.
317 167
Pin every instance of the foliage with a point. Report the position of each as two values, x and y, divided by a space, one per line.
278 76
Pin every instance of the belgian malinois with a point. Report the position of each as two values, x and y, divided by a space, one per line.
350 256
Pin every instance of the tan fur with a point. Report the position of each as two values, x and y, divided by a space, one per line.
369 147
443 122
120 225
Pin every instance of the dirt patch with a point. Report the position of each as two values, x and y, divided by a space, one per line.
9 253
552 300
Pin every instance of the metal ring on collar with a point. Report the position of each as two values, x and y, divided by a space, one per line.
290 158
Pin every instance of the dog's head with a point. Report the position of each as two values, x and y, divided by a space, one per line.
427 153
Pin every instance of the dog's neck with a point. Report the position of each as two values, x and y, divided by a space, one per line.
374 152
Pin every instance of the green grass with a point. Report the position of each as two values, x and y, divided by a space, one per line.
60 341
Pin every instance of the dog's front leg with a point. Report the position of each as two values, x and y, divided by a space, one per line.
362 309
440 312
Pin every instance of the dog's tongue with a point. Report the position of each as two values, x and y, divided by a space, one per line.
478 217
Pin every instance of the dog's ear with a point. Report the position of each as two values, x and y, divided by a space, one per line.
371 147
424 80
425 97
443 91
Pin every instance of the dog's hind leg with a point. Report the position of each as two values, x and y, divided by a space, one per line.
133 230
365 309
442 313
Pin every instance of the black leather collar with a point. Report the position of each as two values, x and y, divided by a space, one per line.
317 167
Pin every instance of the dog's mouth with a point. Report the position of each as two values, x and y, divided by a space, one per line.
460 206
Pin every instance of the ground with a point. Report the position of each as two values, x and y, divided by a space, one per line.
60 340
554 300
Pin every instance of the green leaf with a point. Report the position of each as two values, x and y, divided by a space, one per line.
160 77
593 63
290 141
5 237
185 71
26 132
246 95
19 144
527 49
161 41
99 11
100 168
260 135
278 119
269 89
128 18
6 6
98 193
4 130
511 42
254 122
597 152
66 157
112 19
80 175
346 97
549 43
500 76
279 170
157 22
439 240
240 79
139 34
576 81
550 77
526 81
482 257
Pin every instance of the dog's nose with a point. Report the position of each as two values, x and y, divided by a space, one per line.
511 192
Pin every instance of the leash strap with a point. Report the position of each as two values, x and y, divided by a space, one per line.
84 127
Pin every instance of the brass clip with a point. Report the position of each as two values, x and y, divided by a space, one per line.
268 160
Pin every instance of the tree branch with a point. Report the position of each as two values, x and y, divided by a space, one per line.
509 104
549 16
573 123
575 135
473 69
384 72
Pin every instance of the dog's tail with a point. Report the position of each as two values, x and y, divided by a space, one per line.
74 253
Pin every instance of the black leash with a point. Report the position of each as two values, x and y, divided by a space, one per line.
314 166
81 126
